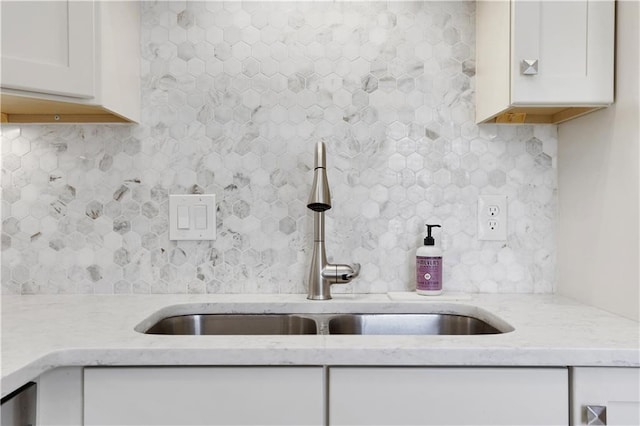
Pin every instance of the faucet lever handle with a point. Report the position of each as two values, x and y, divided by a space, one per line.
355 273
349 272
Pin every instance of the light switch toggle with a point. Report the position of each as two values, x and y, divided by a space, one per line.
200 216
192 217
183 217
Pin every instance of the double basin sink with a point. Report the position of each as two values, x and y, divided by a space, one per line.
326 324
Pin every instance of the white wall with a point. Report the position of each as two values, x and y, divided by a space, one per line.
599 187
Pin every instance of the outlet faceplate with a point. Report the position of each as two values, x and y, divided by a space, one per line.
492 217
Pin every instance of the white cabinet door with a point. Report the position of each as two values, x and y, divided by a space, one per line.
572 42
60 397
48 47
613 393
203 396
448 396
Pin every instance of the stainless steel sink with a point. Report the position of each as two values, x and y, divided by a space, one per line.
305 324
409 324
234 324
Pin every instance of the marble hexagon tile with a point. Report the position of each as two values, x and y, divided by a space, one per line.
235 95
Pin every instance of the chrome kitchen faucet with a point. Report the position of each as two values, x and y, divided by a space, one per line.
322 274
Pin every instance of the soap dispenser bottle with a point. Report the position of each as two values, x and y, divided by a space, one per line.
429 266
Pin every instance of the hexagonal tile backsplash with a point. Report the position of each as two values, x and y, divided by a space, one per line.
235 95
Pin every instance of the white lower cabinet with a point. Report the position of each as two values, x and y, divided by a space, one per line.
291 395
204 396
59 397
448 396
605 395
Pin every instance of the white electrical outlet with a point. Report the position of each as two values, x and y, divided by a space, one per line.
492 217
493 210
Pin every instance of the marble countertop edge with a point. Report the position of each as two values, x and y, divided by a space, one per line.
432 357
45 332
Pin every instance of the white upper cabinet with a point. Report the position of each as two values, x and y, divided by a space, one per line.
543 61
56 55
70 61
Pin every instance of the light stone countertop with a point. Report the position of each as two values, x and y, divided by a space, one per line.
43 332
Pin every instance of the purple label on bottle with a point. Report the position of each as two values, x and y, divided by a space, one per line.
429 273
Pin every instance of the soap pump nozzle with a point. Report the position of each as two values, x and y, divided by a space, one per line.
429 241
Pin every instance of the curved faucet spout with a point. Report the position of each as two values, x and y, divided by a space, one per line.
322 274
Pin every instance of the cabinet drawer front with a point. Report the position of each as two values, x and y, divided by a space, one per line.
203 395
448 396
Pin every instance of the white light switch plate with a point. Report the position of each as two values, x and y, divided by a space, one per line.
492 217
192 217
